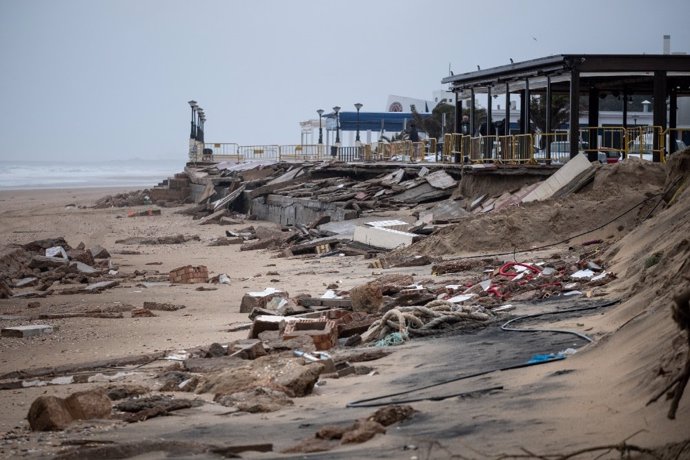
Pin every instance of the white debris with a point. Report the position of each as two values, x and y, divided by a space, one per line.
330 294
583 274
265 292
56 251
600 276
461 298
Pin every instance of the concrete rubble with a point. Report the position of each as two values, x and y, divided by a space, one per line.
293 345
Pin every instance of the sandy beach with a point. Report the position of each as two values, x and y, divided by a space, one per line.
595 397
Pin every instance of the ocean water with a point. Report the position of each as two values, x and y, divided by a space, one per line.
17 175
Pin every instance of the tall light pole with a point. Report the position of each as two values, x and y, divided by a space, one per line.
336 109
200 128
320 112
192 133
357 106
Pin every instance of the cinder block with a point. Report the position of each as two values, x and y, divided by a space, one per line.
27 331
323 332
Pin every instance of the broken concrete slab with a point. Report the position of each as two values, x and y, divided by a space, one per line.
101 286
477 202
446 211
421 193
260 299
393 224
26 331
247 349
383 237
26 282
99 253
393 178
560 179
84 268
441 180
212 217
47 263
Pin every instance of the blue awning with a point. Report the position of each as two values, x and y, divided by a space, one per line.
374 121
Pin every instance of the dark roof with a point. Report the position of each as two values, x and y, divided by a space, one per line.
390 121
600 67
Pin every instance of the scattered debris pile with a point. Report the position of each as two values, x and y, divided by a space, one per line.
394 308
37 268
313 189
599 208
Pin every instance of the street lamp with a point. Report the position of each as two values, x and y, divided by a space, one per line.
200 129
320 112
357 106
192 133
336 109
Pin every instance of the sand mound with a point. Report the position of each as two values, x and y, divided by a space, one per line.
615 189
653 263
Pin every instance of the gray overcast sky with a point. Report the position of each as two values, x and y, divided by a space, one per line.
106 79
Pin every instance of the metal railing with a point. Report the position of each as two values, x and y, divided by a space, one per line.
608 143
312 152
646 143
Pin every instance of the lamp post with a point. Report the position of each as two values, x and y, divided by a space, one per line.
192 133
200 129
357 106
320 112
336 109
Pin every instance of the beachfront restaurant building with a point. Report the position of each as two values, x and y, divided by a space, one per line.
664 80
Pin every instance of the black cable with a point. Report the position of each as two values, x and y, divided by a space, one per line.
505 327
369 402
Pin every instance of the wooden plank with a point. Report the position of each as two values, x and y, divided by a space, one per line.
227 201
309 245
211 217
270 188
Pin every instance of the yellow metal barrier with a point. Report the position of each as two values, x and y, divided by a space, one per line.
311 152
551 148
483 149
448 145
259 152
640 143
610 142
517 148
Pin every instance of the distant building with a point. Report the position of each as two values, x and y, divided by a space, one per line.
405 104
